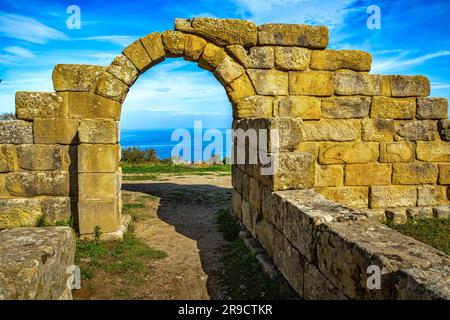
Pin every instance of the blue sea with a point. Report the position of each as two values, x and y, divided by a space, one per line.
161 141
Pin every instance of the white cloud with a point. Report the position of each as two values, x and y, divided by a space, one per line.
28 29
440 85
121 40
19 52
401 61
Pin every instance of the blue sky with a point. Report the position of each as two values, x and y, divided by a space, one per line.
414 39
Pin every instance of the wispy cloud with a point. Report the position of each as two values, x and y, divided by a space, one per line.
401 61
440 85
28 29
19 52
121 40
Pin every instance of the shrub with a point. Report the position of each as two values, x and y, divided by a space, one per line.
138 155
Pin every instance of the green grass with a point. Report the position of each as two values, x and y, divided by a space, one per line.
158 168
140 177
434 232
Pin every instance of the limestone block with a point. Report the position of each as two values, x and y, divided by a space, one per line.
228 71
396 215
34 263
444 129
345 107
309 147
98 131
318 287
422 130
311 83
419 212
98 158
236 201
98 213
211 57
56 209
16 213
415 173
369 174
397 151
193 47
409 86
304 107
292 58
91 106
123 69
272 208
437 151
347 152
254 58
249 218
355 83
32 105
237 177
381 130
4 194
354 197
96 187
38 183
264 234
269 82
444 173
393 108
41 157
16 132
154 47
220 31
255 195
315 37
110 87
441 212
431 196
60 131
240 88
432 108
138 56
173 42
329 176
75 77
392 196
254 107
331 130
8 158
333 60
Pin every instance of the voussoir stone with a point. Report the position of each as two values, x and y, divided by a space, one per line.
269 82
293 35
255 58
123 69
138 56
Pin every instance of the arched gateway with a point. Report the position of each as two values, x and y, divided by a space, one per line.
371 142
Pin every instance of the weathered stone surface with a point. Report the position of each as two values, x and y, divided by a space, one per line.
35 157
409 86
303 164
211 57
419 212
98 157
422 130
173 42
255 195
441 212
97 187
99 131
249 217
432 108
98 213
369 174
304 107
392 196
271 208
329 176
193 47
309 147
354 83
240 88
318 287
56 209
220 31
110 87
254 58
444 173
75 77
331 130
16 213
38 183
315 37
8 158
415 173
91 106
354 197
138 56
123 69
396 215
236 201
16 132
433 151
397 151
32 105
431 196
392 108
154 47
347 152
265 235
292 58
254 107
269 82
444 129
228 71
34 263
311 83
333 60
345 107
382 130
48 131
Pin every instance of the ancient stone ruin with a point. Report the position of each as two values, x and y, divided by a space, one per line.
377 145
